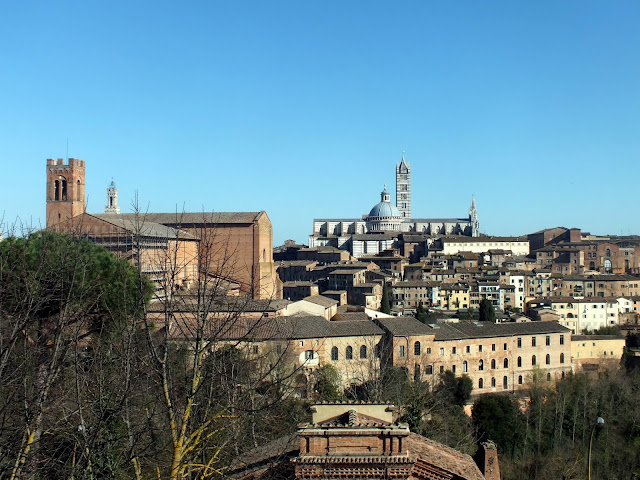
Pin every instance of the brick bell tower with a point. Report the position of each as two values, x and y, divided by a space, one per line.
65 190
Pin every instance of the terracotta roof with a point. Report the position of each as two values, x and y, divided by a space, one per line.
462 330
350 316
272 328
279 453
404 326
298 283
464 239
202 218
296 263
416 283
447 458
321 300
213 303
146 227
346 271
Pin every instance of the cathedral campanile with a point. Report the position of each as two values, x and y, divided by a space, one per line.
403 188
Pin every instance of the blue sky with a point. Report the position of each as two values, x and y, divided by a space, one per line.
302 108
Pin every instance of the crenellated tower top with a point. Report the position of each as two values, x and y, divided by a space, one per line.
65 189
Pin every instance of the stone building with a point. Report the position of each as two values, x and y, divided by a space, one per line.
411 293
596 352
297 290
497 357
580 314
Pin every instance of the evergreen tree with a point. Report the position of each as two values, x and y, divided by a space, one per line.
487 313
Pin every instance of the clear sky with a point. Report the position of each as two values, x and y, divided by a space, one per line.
303 108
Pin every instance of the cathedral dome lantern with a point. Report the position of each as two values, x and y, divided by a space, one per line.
385 215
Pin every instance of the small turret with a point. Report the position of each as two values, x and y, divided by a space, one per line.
112 199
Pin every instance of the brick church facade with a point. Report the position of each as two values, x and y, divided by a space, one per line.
235 247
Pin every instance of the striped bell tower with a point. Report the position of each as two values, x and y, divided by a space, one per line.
403 188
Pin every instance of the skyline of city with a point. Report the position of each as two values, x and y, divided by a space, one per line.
304 110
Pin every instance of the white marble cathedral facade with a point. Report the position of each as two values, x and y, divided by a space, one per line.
379 229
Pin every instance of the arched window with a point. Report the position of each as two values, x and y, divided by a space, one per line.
519 362
78 191
56 190
505 382
417 350
506 363
481 365
533 360
481 383
349 353
363 351
465 367
562 358
334 354
548 377
493 382
493 364
547 359
519 379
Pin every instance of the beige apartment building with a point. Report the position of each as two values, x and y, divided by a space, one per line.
411 293
457 244
497 357
596 352
455 296
580 314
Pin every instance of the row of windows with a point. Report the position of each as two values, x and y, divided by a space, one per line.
348 354
505 381
505 364
417 347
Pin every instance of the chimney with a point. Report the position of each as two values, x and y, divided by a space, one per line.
487 460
